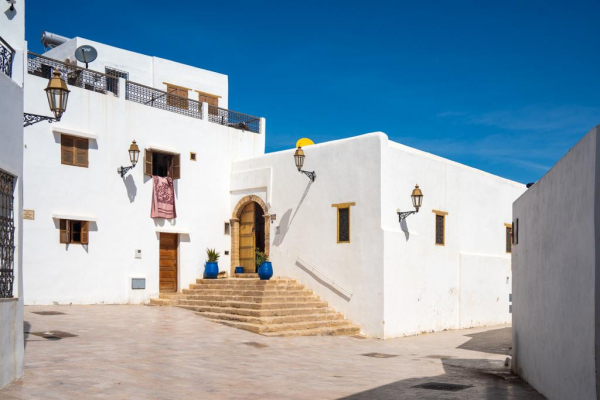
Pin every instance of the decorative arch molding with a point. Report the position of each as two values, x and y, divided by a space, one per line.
235 228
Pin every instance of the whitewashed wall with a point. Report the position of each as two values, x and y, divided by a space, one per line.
306 226
148 70
427 286
12 30
556 277
401 282
101 272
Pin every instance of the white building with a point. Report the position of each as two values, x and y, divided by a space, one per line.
390 277
12 56
556 341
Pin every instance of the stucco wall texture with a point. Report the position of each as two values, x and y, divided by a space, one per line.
555 270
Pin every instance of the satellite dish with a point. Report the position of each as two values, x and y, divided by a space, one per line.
86 54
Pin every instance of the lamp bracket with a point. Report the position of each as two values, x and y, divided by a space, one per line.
312 175
123 170
30 119
403 215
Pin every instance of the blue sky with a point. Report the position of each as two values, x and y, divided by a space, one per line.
507 87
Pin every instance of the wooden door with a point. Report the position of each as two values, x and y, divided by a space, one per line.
247 238
168 262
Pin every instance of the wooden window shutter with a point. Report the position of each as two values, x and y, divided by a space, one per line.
64 231
81 152
176 167
85 232
148 162
67 150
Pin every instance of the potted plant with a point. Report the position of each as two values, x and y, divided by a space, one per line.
265 268
239 270
211 268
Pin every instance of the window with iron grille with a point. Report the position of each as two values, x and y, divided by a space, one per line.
440 235
7 235
509 239
112 85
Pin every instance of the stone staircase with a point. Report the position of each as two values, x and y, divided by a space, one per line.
278 307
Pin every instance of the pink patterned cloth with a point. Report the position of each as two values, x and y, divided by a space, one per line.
163 198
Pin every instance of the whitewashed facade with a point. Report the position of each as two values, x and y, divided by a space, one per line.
12 50
390 278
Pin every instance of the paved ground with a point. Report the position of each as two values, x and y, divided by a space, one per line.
141 352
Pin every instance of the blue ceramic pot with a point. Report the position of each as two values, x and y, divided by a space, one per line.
211 270
265 271
239 270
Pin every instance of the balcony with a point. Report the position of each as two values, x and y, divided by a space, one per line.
75 76
7 56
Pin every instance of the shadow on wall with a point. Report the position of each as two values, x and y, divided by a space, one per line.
462 378
131 187
286 220
26 330
321 281
497 341
404 228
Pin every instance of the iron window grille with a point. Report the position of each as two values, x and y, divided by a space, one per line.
509 239
7 56
117 73
439 230
76 76
7 235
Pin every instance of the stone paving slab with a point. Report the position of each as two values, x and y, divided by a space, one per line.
143 352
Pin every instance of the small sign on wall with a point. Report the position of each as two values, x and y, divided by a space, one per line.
28 214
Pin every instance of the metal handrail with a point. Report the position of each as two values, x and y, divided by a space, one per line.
331 281
233 119
7 56
156 98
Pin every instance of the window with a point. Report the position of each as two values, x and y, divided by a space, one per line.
211 99
162 164
72 231
74 151
509 237
7 235
177 96
343 221
192 156
112 85
440 227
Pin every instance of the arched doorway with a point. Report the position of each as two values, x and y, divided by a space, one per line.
250 230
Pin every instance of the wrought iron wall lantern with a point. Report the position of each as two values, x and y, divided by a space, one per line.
417 200
12 4
58 95
299 159
134 155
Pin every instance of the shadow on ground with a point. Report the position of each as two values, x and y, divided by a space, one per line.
497 341
462 379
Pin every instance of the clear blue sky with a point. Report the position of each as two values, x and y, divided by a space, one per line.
507 86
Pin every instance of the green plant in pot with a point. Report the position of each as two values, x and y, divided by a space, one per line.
265 268
211 268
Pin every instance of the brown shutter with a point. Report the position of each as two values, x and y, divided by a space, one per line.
148 162
85 232
176 167
81 152
67 156
64 231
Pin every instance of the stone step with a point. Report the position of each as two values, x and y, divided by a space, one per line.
255 306
247 275
244 281
274 291
160 302
330 316
167 295
343 330
252 299
293 326
259 313
210 288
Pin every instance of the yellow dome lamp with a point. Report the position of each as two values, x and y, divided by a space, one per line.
299 158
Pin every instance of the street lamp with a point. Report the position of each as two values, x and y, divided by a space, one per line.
58 95
299 159
417 200
134 155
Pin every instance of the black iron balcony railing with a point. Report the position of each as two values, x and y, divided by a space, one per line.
233 119
7 55
163 100
7 235
74 76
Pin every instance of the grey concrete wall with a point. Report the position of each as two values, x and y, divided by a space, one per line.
554 277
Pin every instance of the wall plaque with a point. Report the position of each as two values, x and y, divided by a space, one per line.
28 214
